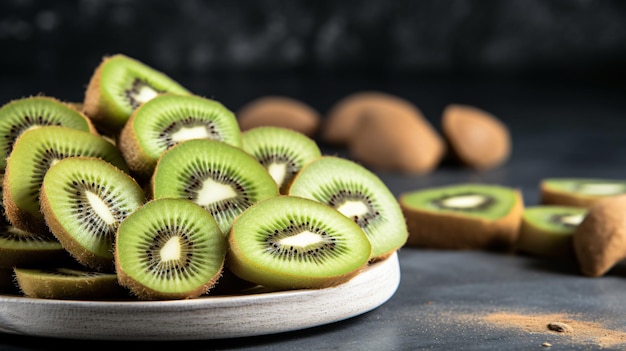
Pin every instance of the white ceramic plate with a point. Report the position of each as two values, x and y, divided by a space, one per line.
202 318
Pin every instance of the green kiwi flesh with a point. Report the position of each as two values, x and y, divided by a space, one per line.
119 85
289 242
169 249
547 230
579 191
282 151
357 193
27 113
169 119
490 202
83 201
34 152
67 283
19 248
221 178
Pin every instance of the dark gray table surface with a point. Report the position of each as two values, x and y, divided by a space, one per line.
559 128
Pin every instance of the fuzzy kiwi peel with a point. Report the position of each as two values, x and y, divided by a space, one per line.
169 119
169 249
279 111
358 194
290 242
283 152
119 85
476 138
547 230
463 216
83 201
600 239
579 192
33 154
391 139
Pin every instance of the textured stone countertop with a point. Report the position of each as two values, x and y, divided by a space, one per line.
450 300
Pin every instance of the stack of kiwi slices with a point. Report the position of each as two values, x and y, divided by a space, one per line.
147 191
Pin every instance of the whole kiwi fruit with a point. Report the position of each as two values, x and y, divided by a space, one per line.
279 111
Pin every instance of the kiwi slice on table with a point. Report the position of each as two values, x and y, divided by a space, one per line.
282 151
581 192
68 283
33 154
547 230
27 113
119 85
221 178
83 201
289 242
168 120
463 216
19 248
169 249
357 193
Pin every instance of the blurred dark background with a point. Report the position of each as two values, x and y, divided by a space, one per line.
552 70
571 38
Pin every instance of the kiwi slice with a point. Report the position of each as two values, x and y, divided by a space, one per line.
168 120
580 192
19 248
222 178
282 151
119 85
83 201
34 152
357 193
289 242
463 216
27 113
547 230
169 249
68 283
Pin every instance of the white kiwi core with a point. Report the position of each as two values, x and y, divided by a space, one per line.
301 239
464 201
101 208
574 219
601 189
278 171
188 133
353 208
171 250
145 93
213 191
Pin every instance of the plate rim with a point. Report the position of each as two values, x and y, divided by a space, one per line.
13 306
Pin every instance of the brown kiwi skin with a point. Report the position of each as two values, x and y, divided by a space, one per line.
390 140
442 230
600 239
475 138
279 111
344 115
138 162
